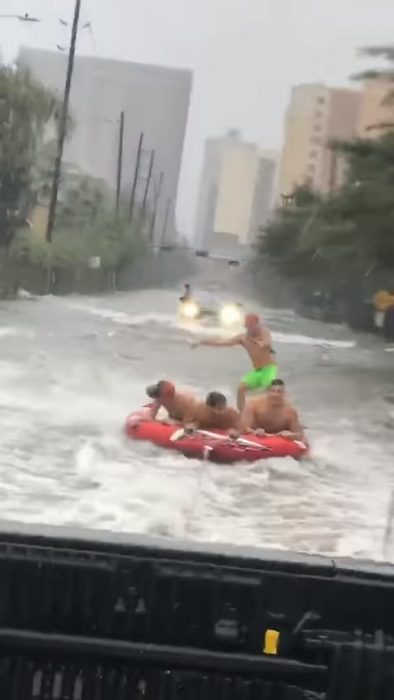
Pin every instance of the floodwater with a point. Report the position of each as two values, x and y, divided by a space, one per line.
72 368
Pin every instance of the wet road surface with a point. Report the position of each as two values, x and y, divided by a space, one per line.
71 369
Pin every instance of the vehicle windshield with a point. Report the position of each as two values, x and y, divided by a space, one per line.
205 298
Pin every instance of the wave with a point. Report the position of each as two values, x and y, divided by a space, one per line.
206 328
299 339
8 331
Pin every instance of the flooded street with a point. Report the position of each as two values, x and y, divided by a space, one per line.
71 370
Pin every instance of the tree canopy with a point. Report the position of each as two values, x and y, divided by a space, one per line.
344 235
86 228
26 108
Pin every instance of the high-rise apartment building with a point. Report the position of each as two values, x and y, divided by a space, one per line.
235 192
317 115
155 101
376 108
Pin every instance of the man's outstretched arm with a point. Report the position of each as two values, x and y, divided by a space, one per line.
218 342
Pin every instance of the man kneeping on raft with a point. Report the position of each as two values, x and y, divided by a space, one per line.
258 344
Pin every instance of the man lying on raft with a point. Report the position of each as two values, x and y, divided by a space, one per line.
273 414
184 408
177 404
213 414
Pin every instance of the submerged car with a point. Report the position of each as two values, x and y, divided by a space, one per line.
205 305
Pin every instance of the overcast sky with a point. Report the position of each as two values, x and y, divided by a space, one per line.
245 54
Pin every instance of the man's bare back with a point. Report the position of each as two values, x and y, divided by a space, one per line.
202 417
178 407
213 414
177 404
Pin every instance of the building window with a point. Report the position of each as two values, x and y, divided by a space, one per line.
318 114
317 127
321 100
311 168
315 140
313 155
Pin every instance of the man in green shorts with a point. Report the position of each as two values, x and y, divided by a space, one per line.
258 344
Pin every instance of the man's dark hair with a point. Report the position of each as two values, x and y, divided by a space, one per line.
277 382
153 391
215 398
187 285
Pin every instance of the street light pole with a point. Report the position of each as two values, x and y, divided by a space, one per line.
63 123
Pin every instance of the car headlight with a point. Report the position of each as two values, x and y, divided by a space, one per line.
189 309
230 315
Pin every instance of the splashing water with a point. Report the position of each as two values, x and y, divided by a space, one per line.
72 369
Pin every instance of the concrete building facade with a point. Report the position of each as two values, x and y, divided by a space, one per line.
317 115
235 193
155 101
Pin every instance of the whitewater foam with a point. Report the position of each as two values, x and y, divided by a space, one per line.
64 459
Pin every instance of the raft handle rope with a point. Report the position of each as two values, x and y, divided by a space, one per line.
179 434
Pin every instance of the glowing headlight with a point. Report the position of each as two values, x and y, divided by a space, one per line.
189 309
230 314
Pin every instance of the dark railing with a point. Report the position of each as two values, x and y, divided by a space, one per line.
141 619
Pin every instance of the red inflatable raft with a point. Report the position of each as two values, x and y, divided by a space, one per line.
213 445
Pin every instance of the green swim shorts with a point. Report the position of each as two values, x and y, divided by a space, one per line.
260 378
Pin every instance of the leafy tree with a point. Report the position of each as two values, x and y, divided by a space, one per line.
336 240
86 228
26 108
284 239
383 73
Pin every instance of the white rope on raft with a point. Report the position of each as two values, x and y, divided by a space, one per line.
179 434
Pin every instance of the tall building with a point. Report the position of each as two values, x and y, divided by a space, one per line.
317 115
155 101
375 109
263 195
235 193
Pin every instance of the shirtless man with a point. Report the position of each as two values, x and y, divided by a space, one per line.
273 414
214 414
258 344
176 403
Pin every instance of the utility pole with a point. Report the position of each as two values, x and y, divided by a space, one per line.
136 175
120 163
63 123
147 184
165 222
158 189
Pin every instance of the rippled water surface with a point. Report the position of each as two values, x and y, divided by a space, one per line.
71 369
